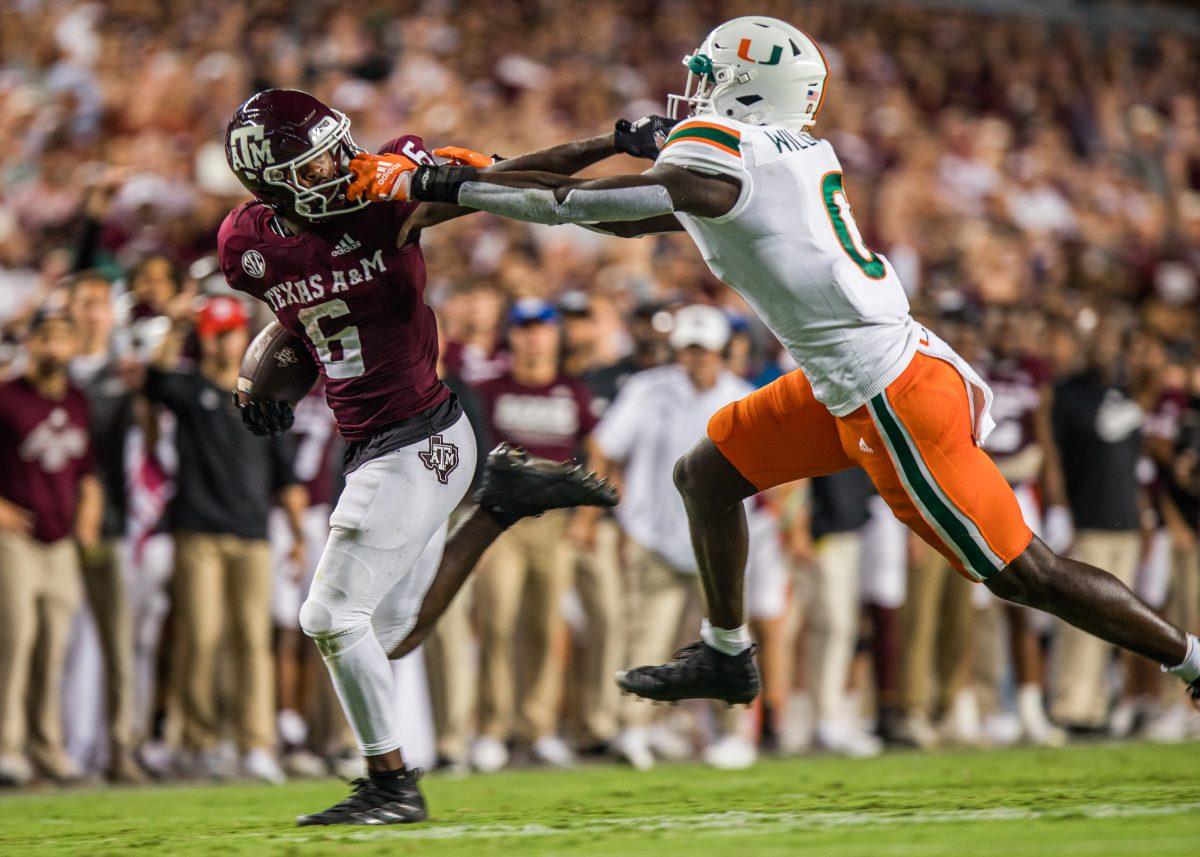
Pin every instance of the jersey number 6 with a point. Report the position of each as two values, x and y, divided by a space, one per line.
846 229
341 352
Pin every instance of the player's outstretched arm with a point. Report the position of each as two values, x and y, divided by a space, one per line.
640 139
540 197
564 159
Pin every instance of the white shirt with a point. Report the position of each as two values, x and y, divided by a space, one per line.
656 418
791 248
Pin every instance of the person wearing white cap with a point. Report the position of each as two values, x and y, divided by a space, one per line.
655 418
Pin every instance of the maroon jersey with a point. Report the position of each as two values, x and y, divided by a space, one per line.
549 421
314 432
45 450
1016 385
1163 421
354 297
474 365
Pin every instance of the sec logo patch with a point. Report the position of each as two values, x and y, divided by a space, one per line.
253 263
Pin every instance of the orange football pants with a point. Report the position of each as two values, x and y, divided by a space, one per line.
915 441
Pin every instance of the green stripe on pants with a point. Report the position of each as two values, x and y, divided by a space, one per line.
927 496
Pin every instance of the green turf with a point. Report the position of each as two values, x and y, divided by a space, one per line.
1102 800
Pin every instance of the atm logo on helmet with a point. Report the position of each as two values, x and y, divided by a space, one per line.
248 148
744 53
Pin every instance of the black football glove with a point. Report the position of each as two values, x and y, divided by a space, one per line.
643 138
266 419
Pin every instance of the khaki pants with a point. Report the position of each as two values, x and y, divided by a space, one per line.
104 583
657 598
219 576
1183 603
1079 695
453 676
993 654
598 582
518 593
936 621
832 622
40 591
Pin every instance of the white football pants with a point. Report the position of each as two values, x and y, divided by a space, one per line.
385 543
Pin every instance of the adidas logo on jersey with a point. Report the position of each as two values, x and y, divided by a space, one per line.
346 245
863 446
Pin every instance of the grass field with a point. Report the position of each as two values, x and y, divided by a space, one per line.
1102 800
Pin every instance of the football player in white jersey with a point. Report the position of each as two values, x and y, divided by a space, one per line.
765 203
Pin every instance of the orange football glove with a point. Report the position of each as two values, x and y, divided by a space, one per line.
461 157
380 177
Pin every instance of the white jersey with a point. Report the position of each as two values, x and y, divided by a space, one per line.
654 420
791 248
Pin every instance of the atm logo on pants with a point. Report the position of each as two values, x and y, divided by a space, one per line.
441 458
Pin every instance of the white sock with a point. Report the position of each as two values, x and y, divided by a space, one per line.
362 677
727 641
1189 668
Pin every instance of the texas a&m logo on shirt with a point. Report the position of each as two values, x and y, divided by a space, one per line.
55 442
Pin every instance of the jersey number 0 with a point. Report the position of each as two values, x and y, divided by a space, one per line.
846 229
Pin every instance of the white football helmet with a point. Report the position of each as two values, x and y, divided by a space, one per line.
757 70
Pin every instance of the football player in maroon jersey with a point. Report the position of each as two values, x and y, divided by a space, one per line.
348 278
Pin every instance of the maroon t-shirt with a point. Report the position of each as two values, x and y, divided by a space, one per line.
472 364
45 450
1016 386
314 432
354 297
549 421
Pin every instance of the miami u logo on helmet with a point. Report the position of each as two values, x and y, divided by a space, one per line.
744 53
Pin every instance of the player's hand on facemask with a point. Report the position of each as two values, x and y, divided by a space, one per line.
266 418
643 138
380 177
460 157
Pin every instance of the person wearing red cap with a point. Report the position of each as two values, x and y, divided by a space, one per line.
49 494
228 480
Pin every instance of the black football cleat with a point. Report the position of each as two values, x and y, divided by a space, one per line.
372 804
518 485
697 671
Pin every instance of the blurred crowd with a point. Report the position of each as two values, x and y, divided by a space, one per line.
1037 188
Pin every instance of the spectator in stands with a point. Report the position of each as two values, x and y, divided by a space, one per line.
51 504
520 586
110 381
838 514
228 479
474 351
654 420
1098 430
588 356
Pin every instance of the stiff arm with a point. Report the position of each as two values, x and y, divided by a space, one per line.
542 197
564 159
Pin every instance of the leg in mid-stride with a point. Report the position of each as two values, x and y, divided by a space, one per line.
381 587
916 441
770 451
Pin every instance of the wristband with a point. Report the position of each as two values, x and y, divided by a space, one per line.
439 183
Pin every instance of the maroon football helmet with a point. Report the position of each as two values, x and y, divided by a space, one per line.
273 135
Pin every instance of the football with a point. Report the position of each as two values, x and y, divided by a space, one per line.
276 366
